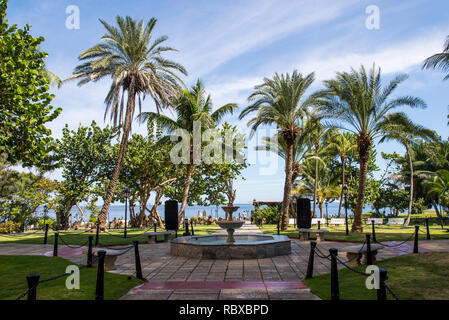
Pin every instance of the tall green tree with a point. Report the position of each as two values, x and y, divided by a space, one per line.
25 107
193 115
360 102
281 101
129 55
400 128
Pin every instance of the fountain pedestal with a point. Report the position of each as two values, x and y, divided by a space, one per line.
230 225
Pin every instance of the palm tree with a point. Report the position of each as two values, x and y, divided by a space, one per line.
439 60
342 144
278 146
400 128
360 102
318 135
281 101
135 63
438 188
190 106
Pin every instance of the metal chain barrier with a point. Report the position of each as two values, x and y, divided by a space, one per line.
396 245
73 246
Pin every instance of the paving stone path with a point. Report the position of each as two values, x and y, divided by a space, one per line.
175 278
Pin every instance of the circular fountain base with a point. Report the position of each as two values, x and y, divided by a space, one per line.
246 246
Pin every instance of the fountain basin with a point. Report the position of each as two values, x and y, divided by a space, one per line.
246 246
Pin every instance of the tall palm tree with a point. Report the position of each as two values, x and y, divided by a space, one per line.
400 128
440 60
190 106
282 101
129 55
361 103
342 144
319 135
301 145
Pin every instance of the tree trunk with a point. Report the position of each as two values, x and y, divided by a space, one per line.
82 213
343 182
121 155
287 187
410 205
436 208
364 145
315 184
186 187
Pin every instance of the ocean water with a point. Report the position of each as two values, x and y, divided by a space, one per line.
118 211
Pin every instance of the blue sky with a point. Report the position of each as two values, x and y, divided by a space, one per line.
232 45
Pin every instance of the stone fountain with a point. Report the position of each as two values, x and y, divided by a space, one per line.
229 224
240 246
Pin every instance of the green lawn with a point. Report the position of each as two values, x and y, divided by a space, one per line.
423 276
383 233
79 237
14 269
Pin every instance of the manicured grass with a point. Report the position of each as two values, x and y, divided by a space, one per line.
14 269
112 238
423 276
383 233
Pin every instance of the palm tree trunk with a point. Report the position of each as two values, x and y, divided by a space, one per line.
315 184
364 146
410 205
121 155
287 187
343 181
190 169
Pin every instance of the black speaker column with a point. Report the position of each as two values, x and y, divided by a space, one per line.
304 214
171 215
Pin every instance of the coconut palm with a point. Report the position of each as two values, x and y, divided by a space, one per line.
193 108
361 103
400 128
281 101
342 144
129 55
440 60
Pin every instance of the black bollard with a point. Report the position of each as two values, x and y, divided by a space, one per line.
191 228
46 233
369 256
137 260
33 281
382 292
97 235
186 226
319 225
89 252
155 226
99 292
176 233
55 245
279 230
309 273
415 245
335 290
427 227
374 231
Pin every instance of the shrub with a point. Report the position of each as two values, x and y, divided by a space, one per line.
270 215
10 226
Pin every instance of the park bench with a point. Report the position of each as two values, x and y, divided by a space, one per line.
395 221
376 220
304 234
355 253
152 236
109 258
337 221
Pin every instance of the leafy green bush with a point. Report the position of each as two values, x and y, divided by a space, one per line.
43 222
10 226
270 215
